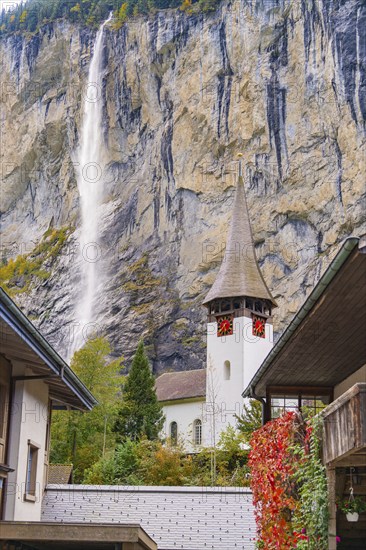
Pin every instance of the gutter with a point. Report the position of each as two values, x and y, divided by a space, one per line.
345 251
33 338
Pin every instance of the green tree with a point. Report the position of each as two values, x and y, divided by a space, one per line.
250 420
140 414
83 438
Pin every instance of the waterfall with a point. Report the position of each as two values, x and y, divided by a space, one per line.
90 166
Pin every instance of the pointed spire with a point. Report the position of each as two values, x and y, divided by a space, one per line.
239 274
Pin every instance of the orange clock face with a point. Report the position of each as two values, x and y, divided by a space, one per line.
225 325
259 326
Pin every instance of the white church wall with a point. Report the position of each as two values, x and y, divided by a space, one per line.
244 353
184 413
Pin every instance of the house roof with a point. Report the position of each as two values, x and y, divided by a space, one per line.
181 385
239 273
59 473
20 339
325 342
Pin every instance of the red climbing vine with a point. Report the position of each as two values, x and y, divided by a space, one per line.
273 463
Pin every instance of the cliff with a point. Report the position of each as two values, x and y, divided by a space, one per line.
282 82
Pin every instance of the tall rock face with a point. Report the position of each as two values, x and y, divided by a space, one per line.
282 82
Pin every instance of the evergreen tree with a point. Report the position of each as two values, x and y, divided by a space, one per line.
140 413
30 15
250 420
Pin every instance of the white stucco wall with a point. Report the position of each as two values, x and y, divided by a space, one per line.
245 353
28 420
358 376
184 414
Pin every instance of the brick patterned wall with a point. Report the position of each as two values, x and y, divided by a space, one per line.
188 518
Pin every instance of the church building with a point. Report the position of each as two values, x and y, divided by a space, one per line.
200 404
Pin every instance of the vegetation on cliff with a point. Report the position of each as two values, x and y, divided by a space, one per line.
30 15
19 274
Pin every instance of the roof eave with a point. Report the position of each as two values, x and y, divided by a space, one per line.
346 249
34 339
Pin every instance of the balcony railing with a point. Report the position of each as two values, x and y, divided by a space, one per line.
345 428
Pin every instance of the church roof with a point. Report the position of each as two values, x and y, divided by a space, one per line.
181 385
59 473
239 274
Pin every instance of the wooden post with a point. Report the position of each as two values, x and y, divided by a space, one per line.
331 475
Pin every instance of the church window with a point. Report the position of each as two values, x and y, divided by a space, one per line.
197 432
227 368
174 433
226 305
249 303
258 306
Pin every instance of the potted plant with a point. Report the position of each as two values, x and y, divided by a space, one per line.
352 507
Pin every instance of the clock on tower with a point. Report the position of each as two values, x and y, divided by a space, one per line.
225 325
259 326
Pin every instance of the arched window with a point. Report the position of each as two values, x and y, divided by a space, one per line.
227 368
173 433
197 432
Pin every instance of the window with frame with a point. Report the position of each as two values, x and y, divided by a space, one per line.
173 433
197 432
31 475
307 400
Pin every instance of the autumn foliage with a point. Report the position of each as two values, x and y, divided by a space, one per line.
272 467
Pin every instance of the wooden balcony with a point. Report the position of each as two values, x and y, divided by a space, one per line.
345 428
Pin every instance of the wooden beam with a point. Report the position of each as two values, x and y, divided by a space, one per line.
340 482
332 525
17 354
352 460
35 377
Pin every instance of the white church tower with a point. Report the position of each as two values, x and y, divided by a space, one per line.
239 327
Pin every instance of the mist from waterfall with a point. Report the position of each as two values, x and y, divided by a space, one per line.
90 165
